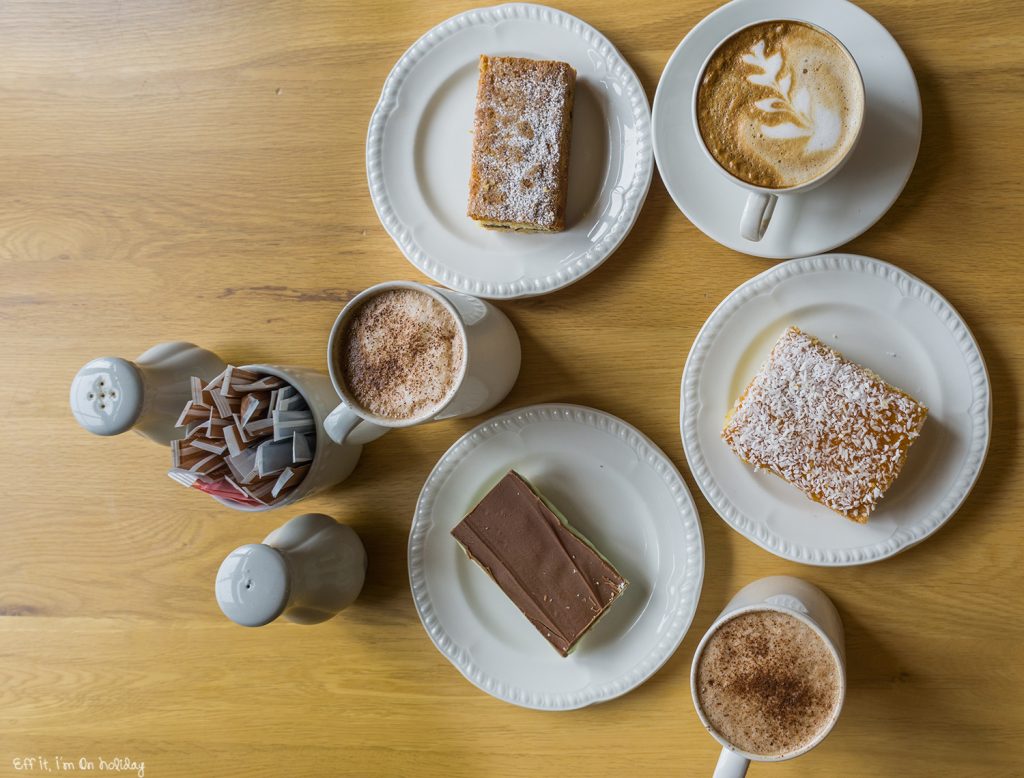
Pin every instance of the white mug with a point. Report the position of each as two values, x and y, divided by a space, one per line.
490 365
332 462
803 601
761 201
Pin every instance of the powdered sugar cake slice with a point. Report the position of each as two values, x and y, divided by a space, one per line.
830 427
521 131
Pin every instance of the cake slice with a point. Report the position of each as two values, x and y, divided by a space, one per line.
519 176
545 567
830 427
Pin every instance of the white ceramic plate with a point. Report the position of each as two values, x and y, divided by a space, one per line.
883 318
837 211
419 142
622 493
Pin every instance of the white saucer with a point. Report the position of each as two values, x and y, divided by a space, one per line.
883 318
622 493
419 142
837 211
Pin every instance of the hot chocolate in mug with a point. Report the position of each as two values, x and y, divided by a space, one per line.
768 678
403 353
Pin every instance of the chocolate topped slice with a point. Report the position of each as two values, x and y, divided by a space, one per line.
551 572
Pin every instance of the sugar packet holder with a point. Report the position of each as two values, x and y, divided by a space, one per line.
251 438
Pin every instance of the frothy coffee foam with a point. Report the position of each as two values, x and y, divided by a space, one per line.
780 103
401 354
767 683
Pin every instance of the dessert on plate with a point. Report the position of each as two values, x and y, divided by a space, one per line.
828 426
519 176
559 581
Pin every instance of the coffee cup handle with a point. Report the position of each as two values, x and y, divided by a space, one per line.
349 429
731 765
757 213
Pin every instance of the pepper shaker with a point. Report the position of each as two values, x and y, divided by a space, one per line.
111 395
307 570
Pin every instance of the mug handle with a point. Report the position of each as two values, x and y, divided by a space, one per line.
731 765
757 213
349 429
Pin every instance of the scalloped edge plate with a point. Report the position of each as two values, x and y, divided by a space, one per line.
879 316
418 148
615 486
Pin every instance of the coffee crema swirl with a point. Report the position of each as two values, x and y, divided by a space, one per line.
779 104
768 683
401 354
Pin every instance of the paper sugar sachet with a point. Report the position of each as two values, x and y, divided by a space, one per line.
249 438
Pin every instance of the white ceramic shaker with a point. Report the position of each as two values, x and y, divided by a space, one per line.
111 395
307 570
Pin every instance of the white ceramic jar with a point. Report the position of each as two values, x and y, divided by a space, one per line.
332 462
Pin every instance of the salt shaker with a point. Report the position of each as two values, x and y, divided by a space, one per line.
307 570
111 395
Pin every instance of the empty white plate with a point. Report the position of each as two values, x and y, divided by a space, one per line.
419 143
880 317
613 485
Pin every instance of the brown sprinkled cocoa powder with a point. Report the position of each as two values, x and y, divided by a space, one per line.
401 354
767 683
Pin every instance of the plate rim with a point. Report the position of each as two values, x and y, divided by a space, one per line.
633 198
980 411
755 249
690 582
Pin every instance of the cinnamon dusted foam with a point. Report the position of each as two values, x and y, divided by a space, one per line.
768 683
401 355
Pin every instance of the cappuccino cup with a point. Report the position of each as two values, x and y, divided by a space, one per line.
768 678
403 353
778 108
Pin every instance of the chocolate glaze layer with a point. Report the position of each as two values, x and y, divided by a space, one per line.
553 575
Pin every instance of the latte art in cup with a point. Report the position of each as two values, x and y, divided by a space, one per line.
780 103
768 683
401 354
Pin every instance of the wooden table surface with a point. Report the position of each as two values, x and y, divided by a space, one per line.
196 171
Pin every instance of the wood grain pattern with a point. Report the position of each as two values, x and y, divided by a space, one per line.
192 169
